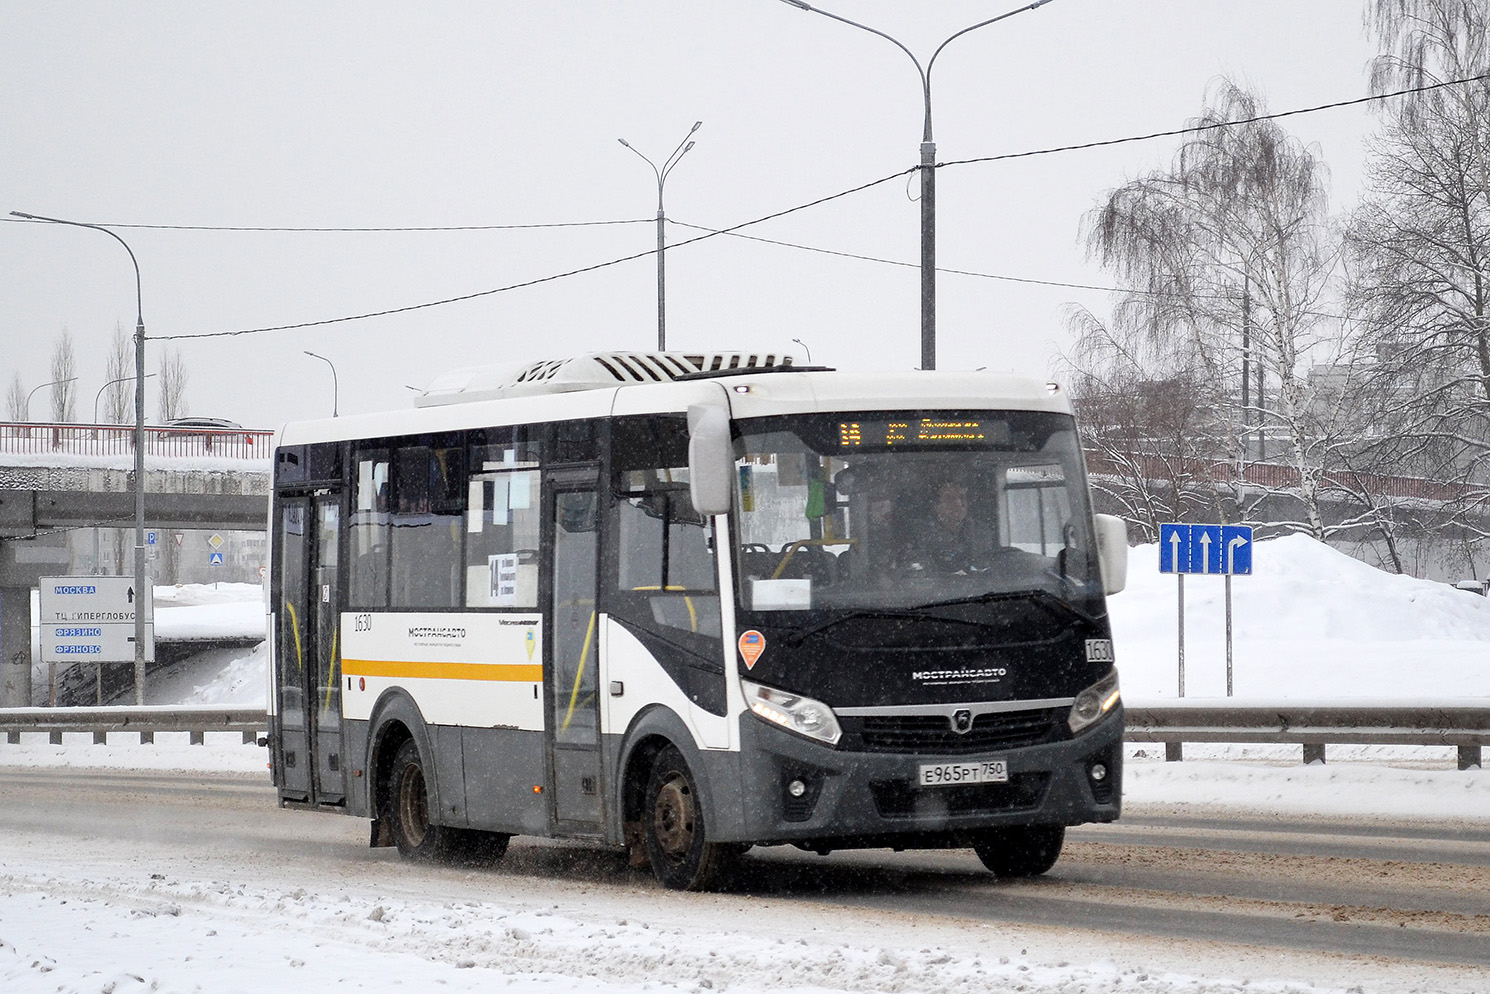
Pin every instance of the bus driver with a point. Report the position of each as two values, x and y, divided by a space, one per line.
952 541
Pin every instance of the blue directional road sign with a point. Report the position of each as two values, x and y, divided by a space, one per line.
1209 549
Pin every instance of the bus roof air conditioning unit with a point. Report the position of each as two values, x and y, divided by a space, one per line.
595 371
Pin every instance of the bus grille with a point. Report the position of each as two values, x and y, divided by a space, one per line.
902 799
933 734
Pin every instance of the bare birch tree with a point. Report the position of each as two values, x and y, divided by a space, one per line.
64 380
172 390
119 393
1420 253
1147 425
1233 235
15 399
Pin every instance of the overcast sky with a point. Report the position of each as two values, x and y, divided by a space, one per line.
507 113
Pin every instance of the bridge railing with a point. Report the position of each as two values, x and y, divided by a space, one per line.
25 438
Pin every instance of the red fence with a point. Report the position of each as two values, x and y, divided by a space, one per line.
1278 475
119 440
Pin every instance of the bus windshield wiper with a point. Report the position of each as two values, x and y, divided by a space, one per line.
797 637
1044 598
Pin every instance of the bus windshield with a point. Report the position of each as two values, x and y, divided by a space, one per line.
910 509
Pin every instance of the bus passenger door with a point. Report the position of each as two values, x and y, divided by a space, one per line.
308 750
292 743
572 666
329 783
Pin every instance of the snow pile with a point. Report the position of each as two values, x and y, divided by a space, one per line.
1309 622
209 611
224 677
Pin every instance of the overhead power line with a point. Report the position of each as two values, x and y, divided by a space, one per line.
1219 125
1059 284
900 262
711 233
532 282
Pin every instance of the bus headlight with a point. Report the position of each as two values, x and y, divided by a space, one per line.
1093 703
793 712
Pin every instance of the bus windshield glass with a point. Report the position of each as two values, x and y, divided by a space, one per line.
910 509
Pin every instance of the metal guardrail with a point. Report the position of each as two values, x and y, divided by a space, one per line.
1313 725
144 721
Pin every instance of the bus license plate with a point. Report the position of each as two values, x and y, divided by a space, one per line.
952 774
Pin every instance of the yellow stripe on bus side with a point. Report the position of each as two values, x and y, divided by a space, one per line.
510 672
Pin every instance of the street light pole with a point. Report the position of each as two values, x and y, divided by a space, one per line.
99 395
927 166
661 174
54 383
141 596
334 388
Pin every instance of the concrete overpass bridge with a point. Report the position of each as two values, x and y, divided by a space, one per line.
60 480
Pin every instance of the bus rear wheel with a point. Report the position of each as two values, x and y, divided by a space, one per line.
677 839
1020 851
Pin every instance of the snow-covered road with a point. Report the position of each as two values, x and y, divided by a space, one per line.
128 881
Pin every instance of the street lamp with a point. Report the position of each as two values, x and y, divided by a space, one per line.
97 396
928 168
661 174
139 482
334 389
804 349
43 387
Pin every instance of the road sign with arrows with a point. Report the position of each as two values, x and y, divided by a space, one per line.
1220 550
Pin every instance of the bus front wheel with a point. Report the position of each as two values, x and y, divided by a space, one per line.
678 846
1020 851
408 809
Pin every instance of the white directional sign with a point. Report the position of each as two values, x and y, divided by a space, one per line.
1216 549
92 619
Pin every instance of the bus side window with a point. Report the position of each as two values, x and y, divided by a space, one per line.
502 527
429 504
664 549
368 531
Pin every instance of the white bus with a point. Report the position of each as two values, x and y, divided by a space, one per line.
690 604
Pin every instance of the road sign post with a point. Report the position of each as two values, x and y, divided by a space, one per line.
1214 550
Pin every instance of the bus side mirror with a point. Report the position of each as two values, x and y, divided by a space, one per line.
1112 552
711 459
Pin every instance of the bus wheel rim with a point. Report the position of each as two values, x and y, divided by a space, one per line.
412 809
672 818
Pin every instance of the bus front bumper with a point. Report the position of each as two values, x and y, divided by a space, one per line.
795 790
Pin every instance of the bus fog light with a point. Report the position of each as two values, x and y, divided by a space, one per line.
796 788
1099 772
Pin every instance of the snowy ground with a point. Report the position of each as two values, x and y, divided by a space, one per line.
1312 623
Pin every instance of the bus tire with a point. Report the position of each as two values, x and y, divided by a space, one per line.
408 810
1020 851
678 845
